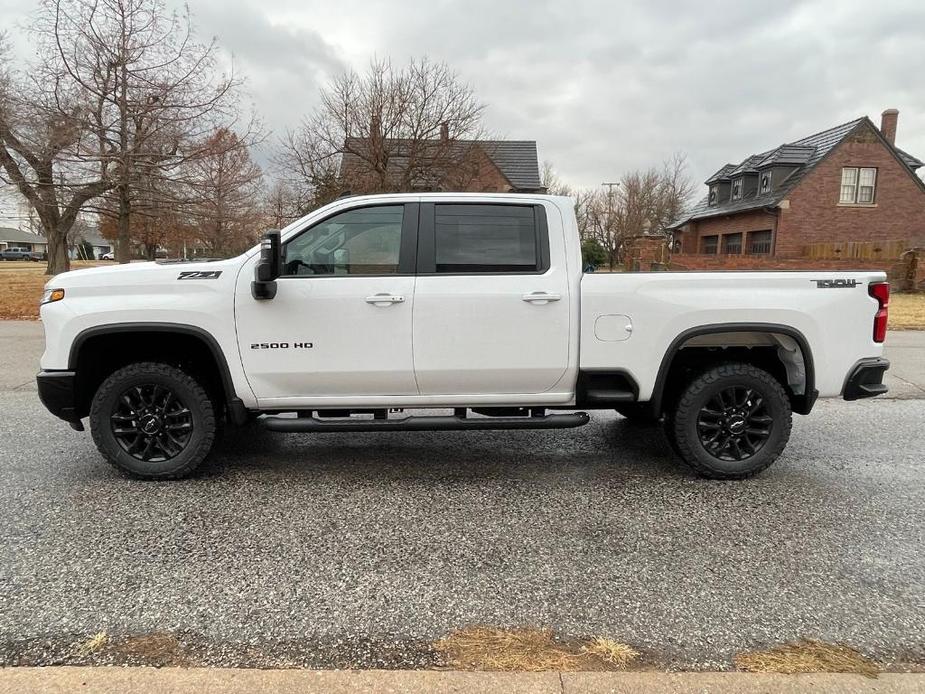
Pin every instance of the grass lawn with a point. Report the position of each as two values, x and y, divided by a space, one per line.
907 311
21 284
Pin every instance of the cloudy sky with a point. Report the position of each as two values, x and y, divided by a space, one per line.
604 87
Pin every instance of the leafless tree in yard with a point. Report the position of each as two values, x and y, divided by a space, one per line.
226 192
645 202
44 151
394 129
553 182
281 205
156 93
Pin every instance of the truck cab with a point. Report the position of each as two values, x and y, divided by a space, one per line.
373 307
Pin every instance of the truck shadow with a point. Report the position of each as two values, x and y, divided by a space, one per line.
609 446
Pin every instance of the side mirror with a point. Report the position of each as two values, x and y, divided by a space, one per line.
268 267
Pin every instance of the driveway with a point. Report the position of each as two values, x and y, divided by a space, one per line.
359 550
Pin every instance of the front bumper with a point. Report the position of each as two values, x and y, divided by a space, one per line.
57 391
866 379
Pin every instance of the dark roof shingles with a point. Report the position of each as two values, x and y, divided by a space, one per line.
516 159
821 143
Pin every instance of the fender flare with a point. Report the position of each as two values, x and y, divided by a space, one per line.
236 409
803 404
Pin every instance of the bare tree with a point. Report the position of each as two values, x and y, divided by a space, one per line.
281 205
644 202
156 93
44 153
553 183
387 130
226 186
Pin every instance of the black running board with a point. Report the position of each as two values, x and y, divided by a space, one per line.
427 423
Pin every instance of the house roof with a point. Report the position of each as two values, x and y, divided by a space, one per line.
10 235
516 159
802 155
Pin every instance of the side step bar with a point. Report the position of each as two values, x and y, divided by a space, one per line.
427 423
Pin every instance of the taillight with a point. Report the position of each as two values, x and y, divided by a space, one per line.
881 292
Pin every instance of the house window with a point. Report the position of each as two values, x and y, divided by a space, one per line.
737 189
732 244
709 245
858 186
766 182
712 195
759 242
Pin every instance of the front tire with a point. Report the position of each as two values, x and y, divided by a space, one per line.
731 422
153 421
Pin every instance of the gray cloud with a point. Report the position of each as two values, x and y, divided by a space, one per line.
604 87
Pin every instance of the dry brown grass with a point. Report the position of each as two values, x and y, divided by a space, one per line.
907 312
21 286
91 645
617 654
807 656
527 649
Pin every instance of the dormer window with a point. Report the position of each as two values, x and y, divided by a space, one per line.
737 189
713 195
765 185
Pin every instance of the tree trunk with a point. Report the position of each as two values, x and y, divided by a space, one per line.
123 231
58 259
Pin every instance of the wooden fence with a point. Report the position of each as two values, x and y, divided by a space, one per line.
862 250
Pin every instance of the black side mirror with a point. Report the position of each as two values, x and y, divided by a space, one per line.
268 267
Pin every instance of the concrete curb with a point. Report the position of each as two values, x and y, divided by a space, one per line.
116 680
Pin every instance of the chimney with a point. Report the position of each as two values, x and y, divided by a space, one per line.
444 131
375 128
888 122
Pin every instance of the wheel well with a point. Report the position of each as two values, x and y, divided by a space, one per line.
784 355
97 356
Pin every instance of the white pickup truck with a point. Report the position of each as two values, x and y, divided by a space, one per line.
476 303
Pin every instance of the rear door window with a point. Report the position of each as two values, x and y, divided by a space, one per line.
485 238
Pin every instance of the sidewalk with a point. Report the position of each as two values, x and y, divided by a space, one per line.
113 680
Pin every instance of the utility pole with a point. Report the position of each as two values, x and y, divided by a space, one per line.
608 230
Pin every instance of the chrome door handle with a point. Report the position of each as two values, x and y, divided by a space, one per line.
384 299
541 297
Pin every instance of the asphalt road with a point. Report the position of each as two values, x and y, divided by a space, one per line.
359 550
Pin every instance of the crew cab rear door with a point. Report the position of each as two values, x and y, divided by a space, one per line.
491 309
339 327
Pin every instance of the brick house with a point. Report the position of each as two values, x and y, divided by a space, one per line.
849 183
377 164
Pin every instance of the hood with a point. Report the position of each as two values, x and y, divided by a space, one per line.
134 274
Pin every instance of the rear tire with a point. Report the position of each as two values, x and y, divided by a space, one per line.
731 422
153 421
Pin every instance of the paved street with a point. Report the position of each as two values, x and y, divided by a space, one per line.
360 550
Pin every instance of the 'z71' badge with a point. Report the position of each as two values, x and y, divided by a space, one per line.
835 284
200 275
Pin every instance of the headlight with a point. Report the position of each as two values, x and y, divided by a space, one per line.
51 295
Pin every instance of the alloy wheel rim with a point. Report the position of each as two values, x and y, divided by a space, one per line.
151 423
734 424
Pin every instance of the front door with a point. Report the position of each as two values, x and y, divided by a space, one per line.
491 312
339 328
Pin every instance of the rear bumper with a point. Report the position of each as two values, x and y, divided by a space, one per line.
866 379
57 391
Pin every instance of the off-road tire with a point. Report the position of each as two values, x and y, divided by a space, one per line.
188 391
684 425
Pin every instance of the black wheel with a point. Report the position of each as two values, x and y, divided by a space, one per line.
731 422
636 412
153 421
